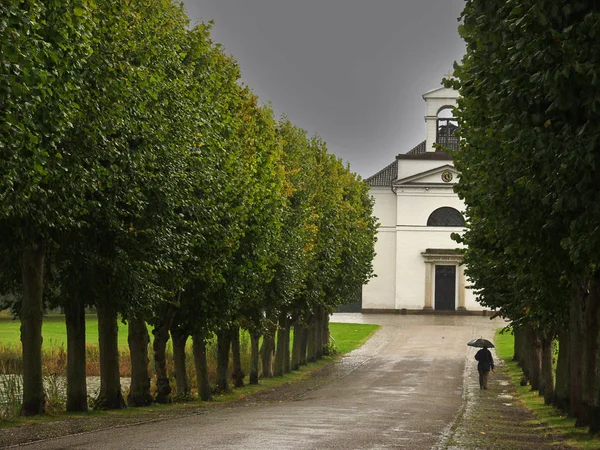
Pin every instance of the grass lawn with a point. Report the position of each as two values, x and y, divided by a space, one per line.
346 336
555 418
54 331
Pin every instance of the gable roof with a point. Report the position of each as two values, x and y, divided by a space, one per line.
440 155
385 176
389 174
420 179
418 149
440 92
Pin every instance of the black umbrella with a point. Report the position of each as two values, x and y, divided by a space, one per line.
482 343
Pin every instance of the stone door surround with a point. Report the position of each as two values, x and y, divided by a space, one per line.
447 257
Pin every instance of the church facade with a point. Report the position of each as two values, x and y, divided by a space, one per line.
417 265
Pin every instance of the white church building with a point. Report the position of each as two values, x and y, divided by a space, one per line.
417 266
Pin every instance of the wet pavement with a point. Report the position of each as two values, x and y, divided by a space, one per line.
405 388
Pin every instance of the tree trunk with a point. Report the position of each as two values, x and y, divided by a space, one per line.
312 341
223 348
319 335
179 339
595 299
161 337
199 349
110 396
325 334
561 391
254 356
547 378
575 352
286 349
518 348
525 353
267 350
296 346
237 373
76 356
138 339
535 359
590 361
304 344
32 311
280 351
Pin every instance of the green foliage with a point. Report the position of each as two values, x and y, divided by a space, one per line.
155 181
45 46
528 160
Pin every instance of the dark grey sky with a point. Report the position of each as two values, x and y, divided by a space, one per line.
352 71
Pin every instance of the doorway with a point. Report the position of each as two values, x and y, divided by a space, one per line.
445 288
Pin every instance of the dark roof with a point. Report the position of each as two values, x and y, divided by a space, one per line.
420 152
385 176
437 155
420 148
389 174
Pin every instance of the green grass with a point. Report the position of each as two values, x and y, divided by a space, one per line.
556 419
346 337
54 331
349 336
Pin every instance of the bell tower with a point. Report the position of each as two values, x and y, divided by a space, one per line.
441 125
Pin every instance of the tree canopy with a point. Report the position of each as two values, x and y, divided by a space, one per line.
529 171
140 176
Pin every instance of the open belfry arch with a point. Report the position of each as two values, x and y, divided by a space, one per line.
417 266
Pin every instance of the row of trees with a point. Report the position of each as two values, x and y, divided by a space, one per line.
530 164
139 176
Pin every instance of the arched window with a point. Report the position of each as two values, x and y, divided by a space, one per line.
446 129
446 217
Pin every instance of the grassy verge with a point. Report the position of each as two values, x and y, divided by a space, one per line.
554 418
346 337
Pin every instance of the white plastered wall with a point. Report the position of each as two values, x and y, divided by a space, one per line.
379 293
409 167
413 236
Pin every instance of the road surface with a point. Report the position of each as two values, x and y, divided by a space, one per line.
402 389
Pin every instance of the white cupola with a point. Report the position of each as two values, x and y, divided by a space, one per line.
441 125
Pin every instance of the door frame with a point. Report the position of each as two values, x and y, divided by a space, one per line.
446 257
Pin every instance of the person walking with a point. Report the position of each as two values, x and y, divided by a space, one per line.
485 363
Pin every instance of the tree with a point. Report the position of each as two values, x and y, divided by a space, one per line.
294 251
528 160
132 138
44 47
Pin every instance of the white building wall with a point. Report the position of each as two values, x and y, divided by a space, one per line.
398 264
414 206
384 208
409 168
410 279
379 293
